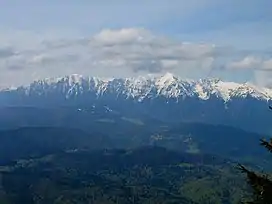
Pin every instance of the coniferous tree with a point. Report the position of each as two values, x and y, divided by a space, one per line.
261 184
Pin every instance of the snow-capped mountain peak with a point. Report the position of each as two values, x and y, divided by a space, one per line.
167 86
166 79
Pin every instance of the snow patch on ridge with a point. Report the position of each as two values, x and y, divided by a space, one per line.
141 88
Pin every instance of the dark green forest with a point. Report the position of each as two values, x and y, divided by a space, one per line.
143 175
127 160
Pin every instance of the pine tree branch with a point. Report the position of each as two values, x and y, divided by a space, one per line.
260 184
243 169
267 145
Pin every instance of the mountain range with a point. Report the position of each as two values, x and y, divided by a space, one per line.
167 98
153 139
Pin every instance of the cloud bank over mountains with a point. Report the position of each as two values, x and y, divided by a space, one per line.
127 52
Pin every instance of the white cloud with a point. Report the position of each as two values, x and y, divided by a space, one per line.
123 36
263 76
124 52
261 69
249 62
267 65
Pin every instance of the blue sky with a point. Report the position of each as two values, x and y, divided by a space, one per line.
236 34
